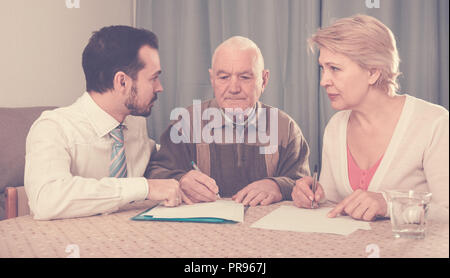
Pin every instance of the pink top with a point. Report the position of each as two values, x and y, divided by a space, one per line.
359 179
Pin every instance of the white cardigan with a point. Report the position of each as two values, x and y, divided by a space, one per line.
417 156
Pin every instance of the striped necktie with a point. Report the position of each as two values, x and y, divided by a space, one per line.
118 165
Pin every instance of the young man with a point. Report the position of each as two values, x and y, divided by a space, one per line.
90 157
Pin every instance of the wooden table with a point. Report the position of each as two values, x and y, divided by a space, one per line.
115 235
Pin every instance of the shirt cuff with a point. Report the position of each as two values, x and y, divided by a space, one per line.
134 189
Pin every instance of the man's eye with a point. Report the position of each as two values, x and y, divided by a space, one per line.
223 77
245 77
334 68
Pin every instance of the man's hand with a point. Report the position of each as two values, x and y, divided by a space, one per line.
262 192
165 189
302 194
363 205
198 187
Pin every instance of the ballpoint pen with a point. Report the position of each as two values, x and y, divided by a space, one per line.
314 186
198 169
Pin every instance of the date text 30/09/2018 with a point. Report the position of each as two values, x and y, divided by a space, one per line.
230 268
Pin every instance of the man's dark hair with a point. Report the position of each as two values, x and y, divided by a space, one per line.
113 49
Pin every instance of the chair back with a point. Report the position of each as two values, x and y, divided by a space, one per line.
14 126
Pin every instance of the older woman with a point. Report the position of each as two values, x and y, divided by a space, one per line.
379 140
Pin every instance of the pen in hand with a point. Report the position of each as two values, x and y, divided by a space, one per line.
198 169
314 186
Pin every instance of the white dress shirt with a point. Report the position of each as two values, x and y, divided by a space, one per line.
68 151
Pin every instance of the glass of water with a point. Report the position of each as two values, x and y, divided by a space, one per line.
408 212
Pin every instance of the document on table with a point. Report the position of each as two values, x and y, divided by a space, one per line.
290 218
220 209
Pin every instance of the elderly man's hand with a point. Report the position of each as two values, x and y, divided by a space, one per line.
198 187
263 192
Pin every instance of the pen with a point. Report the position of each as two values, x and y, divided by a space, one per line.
198 169
314 185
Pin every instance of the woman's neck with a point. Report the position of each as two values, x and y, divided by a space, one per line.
377 109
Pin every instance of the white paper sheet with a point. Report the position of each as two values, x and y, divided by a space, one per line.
290 218
225 209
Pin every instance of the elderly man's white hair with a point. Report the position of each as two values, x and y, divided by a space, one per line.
242 43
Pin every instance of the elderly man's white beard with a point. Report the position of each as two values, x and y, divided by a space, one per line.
237 116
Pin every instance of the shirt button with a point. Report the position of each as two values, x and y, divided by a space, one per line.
364 173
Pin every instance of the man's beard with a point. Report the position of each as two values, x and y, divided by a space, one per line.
132 104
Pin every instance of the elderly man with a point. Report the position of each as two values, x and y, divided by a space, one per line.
230 155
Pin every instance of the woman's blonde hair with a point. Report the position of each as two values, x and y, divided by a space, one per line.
368 42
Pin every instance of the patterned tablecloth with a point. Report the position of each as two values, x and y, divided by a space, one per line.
115 235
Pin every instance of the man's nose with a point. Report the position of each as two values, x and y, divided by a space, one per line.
235 86
158 88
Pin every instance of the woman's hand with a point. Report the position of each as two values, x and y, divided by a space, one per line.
362 205
302 194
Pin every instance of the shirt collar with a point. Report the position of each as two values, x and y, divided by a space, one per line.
102 122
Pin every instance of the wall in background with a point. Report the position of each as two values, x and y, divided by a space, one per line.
41 46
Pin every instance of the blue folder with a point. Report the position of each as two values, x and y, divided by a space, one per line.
142 217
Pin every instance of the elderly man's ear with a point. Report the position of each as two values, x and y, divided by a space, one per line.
265 77
211 77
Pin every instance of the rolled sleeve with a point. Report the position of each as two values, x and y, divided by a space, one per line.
286 186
